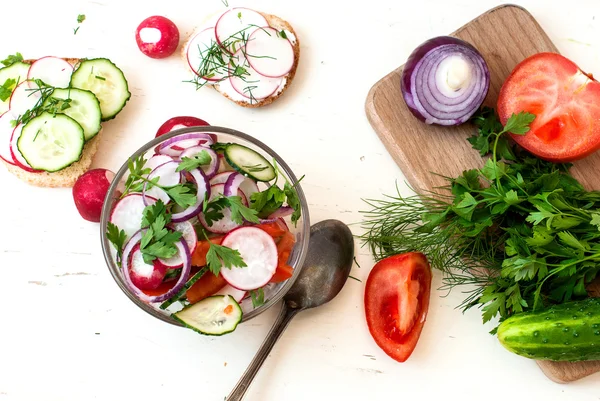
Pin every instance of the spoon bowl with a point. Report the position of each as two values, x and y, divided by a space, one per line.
324 273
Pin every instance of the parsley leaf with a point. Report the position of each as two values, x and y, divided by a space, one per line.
80 18
182 195
267 201
519 123
192 163
219 256
118 238
213 210
292 201
6 89
282 34
158 241
258 297
10 60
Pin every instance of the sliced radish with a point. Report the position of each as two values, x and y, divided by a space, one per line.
251 84
198 51
156 161
223 225
6 131
236 294
269 53
235 22
53 71
188 233
167 174
203 190
16 153
23 98
259 252
221 178
210 169
128 213
143 275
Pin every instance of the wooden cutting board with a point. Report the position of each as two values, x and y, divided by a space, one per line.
504 35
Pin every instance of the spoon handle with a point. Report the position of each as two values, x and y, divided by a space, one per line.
285 315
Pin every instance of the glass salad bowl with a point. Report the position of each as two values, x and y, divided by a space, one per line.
153 181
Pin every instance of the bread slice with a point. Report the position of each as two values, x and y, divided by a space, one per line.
279 24
65 177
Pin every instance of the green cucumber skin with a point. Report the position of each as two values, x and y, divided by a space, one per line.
174 316
566 332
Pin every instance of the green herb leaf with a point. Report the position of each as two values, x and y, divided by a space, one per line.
117 237
258 297
192 163
80 18
267 201
293 201
219 256
158 241
519 123
238 211
7 88
10 60
282 34
182 195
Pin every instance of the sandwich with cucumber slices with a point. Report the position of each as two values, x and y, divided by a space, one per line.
51 115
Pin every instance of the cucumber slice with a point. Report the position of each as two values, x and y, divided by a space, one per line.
249 163
213 316
18 72
84 108
106 81
51 143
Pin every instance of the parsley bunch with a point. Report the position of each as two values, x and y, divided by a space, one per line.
522 230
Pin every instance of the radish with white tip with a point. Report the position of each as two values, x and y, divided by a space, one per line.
89 192
157 37
53 71
258 250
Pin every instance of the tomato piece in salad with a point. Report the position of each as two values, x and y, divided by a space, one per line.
396 302
275 229
207 285
284 248
566 104
202 247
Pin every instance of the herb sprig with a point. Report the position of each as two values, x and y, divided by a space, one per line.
520 231
158 241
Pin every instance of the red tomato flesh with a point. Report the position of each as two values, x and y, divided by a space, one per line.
396 302
565 101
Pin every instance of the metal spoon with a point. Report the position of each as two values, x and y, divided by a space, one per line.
324 273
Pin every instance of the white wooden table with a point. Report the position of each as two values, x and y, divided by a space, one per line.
69 333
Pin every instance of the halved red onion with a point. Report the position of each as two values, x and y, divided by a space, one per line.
175 145
202 191
210 169
444 81
183 277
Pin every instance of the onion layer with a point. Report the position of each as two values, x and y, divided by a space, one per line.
444 81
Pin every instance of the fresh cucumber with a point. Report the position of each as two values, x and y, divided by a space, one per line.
17 71
213 316
249 162
180 294
105 80
84 108
51 142
565 332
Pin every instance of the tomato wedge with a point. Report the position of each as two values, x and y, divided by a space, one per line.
396 302
207 285
565 101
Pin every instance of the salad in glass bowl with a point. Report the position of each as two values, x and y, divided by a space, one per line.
205 227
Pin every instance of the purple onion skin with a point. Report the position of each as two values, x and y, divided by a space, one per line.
417 55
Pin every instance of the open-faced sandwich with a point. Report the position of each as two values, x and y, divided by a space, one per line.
248 56
51 114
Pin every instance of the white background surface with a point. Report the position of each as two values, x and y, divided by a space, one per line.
69 333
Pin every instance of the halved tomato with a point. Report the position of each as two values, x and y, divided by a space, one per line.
396 302
565 101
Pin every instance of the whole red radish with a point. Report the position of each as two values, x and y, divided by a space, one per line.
179 122
89 192
157 37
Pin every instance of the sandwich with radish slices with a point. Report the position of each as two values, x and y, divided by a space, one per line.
248 56
51 114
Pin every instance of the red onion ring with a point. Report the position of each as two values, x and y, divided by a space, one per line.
167 147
